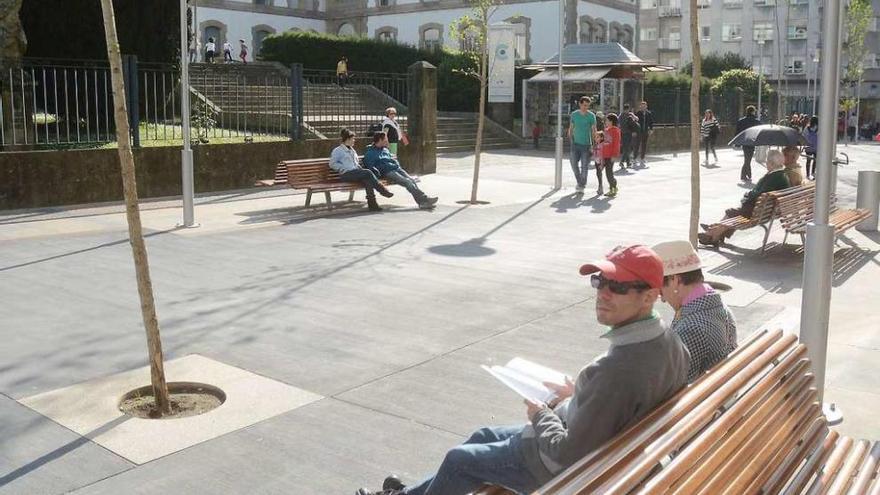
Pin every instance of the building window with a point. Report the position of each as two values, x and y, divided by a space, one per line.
798 31
648 4
387 34
796 66
763 31
431 36
213 32
260 33
763 65
704 4
346 29
522 27
731 32
649 34
262 2
383 3
705 33
628 35
601 32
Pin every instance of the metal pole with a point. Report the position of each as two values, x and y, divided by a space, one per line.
816 298
186 157
760 76
557 182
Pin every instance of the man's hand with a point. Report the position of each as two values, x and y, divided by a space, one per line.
562 391
533 408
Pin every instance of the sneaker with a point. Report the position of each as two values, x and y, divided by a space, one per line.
612 193
600 191
364 491
428 203
392 482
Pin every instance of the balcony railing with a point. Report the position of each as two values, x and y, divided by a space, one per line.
733 4
765 3
799 33
732 37
669 44
795 70
669 11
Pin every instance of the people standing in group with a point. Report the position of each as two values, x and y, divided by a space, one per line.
582 133
811 135
210 50
646 128
702 321
227 52
242 51
342 72
709 130
629 132
378 159
344 160
610 150
391 127
749 120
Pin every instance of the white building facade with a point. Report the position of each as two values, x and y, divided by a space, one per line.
419 23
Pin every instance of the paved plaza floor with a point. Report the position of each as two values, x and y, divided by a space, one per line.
386 317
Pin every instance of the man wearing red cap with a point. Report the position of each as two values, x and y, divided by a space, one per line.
645 364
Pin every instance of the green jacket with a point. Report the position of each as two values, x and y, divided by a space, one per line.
772 181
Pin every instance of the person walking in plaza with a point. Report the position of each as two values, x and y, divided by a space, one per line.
811 135
242 51
644 365
378 159
392 128
610 150
227 52
342 72
582 133
702 321
629 130
747 121
210 50
709 130
646 128
774 180
344 160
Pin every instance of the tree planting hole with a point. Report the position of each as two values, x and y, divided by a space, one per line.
187 399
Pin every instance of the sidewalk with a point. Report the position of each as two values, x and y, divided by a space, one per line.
386 316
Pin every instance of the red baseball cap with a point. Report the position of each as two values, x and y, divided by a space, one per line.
629 264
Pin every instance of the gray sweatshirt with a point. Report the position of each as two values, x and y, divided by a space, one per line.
645 365
343 159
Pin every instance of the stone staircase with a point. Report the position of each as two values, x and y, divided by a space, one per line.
260 93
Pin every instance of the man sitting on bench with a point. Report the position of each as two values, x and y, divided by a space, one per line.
645 364
774 180
378 159
344 160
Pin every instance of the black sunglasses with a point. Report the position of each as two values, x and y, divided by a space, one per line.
620 288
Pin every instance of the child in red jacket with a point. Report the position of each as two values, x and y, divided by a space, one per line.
609 149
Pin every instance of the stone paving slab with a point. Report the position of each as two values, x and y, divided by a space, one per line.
381 313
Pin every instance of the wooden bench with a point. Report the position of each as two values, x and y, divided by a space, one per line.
313 175
752 424
796 211
762 216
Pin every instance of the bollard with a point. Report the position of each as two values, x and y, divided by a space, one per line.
868 197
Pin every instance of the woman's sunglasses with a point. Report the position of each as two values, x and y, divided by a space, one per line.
620 288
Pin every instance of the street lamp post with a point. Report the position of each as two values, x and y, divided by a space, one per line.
760 77
186 157
557 181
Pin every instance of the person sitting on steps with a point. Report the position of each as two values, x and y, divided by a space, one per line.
344 160
378 159
774 180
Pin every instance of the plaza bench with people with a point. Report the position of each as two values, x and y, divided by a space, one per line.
752 424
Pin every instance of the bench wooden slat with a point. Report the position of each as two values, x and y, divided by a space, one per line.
866 471
817 459
849 469
832 466
797 458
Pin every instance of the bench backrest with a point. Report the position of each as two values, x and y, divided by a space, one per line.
765 206
795 205
752 424
310 171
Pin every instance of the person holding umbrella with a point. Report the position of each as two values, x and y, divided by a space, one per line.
749 120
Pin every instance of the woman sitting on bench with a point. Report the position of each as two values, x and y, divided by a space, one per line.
344 160
774 180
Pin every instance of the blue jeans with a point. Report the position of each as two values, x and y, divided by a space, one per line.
580 159
491 455
401 178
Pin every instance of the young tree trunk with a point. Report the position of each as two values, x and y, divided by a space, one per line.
136 238
695 126
484 78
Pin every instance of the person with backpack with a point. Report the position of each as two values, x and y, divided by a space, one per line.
629 129
709 131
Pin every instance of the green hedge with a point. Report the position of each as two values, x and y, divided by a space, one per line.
455 92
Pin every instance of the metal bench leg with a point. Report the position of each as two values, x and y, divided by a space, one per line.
804 239
327 197
308 197
785 238
350 196
766 236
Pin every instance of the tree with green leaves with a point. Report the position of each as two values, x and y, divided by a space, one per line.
713 65
472 33
858 20
745 80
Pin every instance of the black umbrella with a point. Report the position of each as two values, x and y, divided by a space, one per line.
768 135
